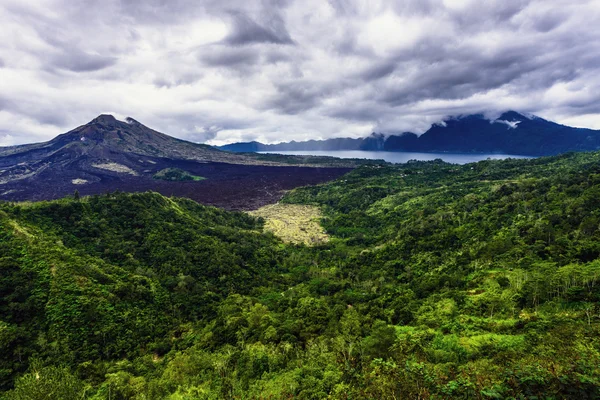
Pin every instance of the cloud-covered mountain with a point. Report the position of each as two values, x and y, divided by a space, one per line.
510 133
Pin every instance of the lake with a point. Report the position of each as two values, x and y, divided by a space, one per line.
399 156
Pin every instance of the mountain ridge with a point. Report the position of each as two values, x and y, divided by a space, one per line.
511 133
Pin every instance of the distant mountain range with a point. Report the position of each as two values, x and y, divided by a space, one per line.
511 133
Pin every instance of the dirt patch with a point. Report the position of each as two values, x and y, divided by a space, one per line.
294 223
114 167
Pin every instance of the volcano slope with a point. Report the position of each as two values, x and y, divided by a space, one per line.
107 154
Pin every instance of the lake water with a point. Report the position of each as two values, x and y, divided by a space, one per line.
399 156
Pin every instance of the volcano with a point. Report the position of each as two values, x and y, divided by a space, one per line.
107 154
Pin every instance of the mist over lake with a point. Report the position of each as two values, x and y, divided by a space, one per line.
400 156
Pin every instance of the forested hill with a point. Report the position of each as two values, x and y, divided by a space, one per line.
439 281
510 133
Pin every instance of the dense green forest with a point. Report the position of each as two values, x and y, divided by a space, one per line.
440 281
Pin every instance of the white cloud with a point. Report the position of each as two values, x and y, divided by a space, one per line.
290 70
510 124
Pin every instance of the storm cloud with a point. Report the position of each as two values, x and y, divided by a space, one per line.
278 70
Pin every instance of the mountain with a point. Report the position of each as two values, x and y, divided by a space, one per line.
373 142
104 140
105 137
511 133
107 154
245 147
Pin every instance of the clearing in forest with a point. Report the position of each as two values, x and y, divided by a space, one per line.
293 223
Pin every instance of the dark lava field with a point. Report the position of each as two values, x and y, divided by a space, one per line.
229 186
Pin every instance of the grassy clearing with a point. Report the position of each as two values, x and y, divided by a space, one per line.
176 175
294 223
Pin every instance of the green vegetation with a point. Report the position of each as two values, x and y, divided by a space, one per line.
293 223
439 281
176 174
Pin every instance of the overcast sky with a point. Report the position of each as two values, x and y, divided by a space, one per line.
278 70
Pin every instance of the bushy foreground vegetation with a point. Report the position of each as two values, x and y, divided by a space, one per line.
439 281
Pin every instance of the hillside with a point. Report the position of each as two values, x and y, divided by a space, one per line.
511 133
437 281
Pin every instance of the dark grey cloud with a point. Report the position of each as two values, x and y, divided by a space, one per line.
343 8
443 71
295 97
241 60
378 71
225 70
174 80
549 21
220 56
46 117
247 31
356 112
80 61
5 103
156 11
452 79
41 113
